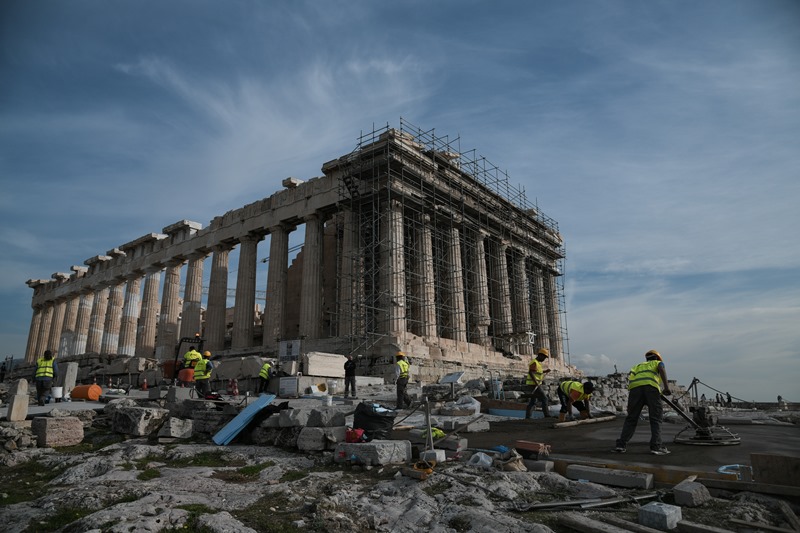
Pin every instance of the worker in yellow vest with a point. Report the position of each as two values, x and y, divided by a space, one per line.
264 376
401 370
202 374
533 382
575 393
645 383
46 372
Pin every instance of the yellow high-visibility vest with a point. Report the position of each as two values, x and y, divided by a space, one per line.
538 373
44 368
645 374
403 364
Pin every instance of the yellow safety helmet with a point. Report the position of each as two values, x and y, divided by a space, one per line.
400 354
652 354
543 351
206 354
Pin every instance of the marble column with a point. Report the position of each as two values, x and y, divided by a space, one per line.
311 288
425 286
33 335
167 336
217 299
66 344
56 325
192 296
82 322
457 313
479 286
244 312
42 338
540 311
97 320
275 307
110 341
148 319
521 303
130 315
392 269
501 291
553 314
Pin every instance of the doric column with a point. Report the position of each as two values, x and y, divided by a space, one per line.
553 314
192 296
33 335
522 312
130 315
148 319
479 286
110 341
56 325
457 313
244 312
167 336
540 311
217 299
349 276
392 269
501 291
82 322
311 288
42 338
273 325
425 287
97 320
66 344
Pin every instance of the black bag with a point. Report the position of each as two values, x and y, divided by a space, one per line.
375 420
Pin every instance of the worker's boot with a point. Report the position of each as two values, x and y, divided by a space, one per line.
584 415
562 417
528 412
546 412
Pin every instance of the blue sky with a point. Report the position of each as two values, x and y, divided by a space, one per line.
663 137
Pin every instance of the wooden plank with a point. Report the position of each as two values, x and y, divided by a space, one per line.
587 525
775 469
750 486
585 421
684 526
759 525
226 434
789 514
629 526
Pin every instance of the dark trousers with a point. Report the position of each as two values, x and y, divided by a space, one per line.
203 387
350 385
402 396
537 394
262 385
42 387
579 405
638 398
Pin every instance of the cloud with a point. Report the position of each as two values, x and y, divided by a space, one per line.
594 365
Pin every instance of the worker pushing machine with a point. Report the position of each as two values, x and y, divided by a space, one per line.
533 380
202 374
575 393
644 389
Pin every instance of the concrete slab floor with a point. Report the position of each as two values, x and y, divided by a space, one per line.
596 441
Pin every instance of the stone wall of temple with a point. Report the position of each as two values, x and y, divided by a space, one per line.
407 245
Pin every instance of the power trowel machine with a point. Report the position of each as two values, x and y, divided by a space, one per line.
704 424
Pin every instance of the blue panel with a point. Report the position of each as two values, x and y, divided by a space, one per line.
232 428
509 412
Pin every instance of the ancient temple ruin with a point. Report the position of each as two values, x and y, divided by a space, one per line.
409 245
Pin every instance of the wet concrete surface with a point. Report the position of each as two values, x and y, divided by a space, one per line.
596 441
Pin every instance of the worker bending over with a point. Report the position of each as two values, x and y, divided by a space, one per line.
644 388
575 393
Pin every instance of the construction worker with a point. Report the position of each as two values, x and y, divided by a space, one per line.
264 376
202 374
534 380
350 376
401 379
575 393
191 358
46 372
645 382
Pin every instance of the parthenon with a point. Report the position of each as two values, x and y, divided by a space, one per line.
409 245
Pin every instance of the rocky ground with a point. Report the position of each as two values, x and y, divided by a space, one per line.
110 483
